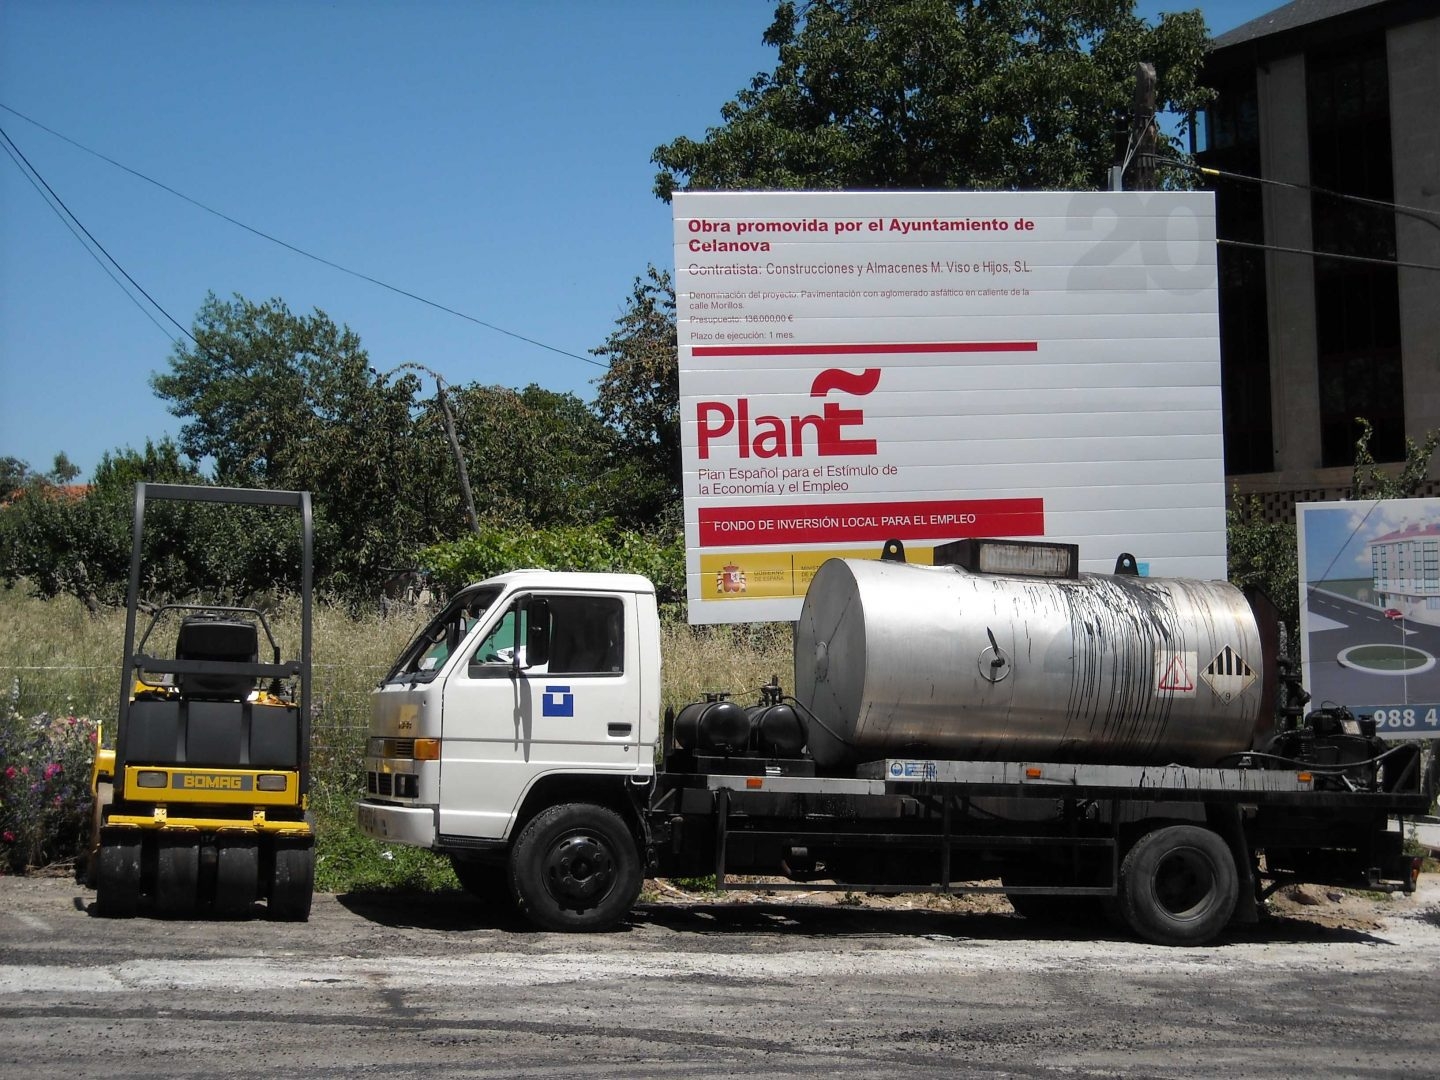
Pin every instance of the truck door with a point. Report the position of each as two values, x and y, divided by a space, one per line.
551 685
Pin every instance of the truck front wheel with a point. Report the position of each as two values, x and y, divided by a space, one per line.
1178 886
575 868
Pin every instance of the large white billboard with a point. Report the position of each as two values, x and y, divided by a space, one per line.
857 367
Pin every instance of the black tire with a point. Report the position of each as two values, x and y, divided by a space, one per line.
292 882
237 876
177 875
1178 886
104 796
487 883
117 877
575 868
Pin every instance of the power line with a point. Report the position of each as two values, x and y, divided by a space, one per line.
1325 254
31 170
301 251
57 205
1429 217
15 157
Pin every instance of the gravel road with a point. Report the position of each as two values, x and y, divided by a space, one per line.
419 985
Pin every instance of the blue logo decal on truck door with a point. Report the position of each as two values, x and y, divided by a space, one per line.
558 701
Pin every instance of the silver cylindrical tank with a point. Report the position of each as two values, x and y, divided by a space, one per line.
896 659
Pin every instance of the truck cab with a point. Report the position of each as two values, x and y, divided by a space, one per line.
524 685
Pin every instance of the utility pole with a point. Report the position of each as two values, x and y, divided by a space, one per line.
459 457
1142 126
449 419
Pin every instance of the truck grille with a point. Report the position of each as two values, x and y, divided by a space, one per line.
392 785
380 783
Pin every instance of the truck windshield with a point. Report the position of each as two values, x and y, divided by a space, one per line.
427 653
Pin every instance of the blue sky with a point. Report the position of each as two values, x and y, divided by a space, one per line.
492 157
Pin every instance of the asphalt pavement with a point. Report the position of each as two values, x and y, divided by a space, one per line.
401 986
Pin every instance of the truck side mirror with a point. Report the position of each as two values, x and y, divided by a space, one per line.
537 633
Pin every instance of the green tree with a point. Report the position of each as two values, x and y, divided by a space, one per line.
287 401
62 471
639 396
16 473
13 474
60 543
538 457
1369 481
158 463
999 94
262 388
601 546
1265 554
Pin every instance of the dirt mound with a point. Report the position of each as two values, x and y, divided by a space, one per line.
1346 909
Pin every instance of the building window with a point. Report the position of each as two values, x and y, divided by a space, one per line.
1231 133
1357 306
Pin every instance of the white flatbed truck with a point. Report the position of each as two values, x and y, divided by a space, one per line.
522 734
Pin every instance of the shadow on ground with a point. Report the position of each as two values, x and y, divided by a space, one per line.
458 911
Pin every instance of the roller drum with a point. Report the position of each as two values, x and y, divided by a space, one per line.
895 660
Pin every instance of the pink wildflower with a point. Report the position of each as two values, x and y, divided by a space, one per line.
10 772
52 770
8 837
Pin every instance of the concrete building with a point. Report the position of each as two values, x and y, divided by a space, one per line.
1337 96
1405 566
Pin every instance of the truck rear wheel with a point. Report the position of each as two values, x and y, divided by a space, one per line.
1178 886
117 877
576 868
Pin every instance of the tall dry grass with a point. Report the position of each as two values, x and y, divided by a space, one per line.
735 659
57 659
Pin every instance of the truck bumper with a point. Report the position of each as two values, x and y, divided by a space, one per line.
413 825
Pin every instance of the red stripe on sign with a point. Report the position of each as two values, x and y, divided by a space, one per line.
897 348
832 523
